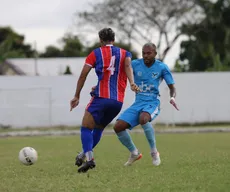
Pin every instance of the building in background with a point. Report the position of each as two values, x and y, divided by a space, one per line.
42 66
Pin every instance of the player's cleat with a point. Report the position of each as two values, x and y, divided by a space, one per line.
133 158
80 159
156 158
86 166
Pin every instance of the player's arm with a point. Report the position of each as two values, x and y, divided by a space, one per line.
171 84
129 70
129 73
89 63
172 90
81 80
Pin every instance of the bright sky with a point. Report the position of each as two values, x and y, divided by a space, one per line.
46 21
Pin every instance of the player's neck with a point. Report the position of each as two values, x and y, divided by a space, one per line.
150 64
107 43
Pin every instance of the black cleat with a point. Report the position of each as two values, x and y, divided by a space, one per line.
86 166
80 159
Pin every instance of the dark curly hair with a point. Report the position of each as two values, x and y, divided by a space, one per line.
106 34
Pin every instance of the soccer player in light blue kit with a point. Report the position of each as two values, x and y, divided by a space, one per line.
148 74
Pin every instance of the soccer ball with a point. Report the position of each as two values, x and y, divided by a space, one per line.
28 155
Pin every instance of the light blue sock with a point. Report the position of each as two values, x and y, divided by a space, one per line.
126 140
150 135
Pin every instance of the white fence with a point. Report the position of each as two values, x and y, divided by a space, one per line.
44 101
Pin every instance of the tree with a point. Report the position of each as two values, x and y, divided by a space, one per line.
52 51
73 47
138 20
208 47
12 45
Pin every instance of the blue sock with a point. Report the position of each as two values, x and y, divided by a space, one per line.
97 133
126 140
86 139
150 135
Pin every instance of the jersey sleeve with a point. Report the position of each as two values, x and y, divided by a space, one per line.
91 59
167 75
128 54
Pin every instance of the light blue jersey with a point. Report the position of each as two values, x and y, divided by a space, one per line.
147 100
148 79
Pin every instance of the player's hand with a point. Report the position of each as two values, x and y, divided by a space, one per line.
173 103
135 88
74 103
93 88
92 91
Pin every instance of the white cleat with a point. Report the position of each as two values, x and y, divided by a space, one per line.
133 158
156 158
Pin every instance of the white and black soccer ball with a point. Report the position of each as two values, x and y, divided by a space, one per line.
28 155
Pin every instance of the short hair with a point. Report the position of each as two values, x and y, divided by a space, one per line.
106 34
150 45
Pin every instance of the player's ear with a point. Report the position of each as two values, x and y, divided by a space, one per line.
155 53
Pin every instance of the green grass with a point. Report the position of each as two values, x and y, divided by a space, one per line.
157 127
190 162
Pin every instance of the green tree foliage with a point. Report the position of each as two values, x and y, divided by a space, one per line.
208 46
73 47
12 45
52 51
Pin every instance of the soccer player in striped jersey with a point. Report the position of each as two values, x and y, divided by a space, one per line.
112 66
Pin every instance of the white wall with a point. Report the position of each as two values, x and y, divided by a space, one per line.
48 66
44 101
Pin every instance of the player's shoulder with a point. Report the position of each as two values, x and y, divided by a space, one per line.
119 48
95 51
161 64
136 62
122 50
97 48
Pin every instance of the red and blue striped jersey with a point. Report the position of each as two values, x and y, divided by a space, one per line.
109 64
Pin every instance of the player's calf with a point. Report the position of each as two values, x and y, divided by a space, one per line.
125 138
120 126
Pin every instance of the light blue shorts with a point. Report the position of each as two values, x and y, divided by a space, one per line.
131 115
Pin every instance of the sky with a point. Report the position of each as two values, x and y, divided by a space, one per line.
46 21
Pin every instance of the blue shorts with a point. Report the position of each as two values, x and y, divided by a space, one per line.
103 110
131 115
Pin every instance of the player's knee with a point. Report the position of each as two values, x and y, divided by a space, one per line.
100 126
88 120
144 118
120 126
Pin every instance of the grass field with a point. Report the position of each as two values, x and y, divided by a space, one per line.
157 127
190 162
